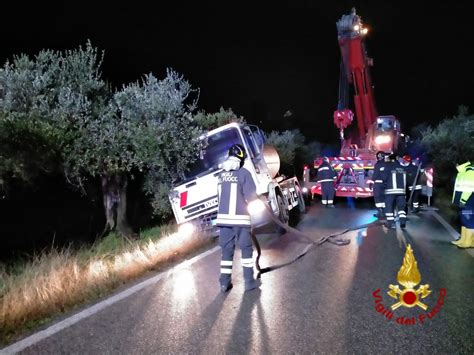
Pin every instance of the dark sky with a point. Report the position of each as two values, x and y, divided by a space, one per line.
265 57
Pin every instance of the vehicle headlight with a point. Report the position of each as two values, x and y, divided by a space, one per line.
382 139
186 229
256 207
174 195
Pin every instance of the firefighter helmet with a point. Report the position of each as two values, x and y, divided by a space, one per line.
238 151
392 157
407 158
380 155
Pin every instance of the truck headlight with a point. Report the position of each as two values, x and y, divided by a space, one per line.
256 207
173 195
186 229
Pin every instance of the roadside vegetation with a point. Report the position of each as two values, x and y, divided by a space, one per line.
58 280
448 144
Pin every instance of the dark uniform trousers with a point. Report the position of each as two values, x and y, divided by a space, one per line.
228 236
327 190
379 196
398 200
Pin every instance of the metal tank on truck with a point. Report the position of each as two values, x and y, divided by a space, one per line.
355 163
194 200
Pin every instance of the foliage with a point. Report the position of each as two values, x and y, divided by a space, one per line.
286 143
56 113
209 121
160 132
310 151
450 143
42 101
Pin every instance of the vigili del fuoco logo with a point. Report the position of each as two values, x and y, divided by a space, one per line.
409 295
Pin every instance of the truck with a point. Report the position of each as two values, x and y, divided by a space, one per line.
355 163
194 200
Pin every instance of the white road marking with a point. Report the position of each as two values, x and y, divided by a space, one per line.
55 328
451 230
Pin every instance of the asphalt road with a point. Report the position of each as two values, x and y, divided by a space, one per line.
323 303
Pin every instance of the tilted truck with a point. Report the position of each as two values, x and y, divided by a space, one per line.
194 200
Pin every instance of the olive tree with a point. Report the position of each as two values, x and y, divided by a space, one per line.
42 101
57 113
451 142
210 121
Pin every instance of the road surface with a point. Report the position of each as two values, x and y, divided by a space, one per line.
323 303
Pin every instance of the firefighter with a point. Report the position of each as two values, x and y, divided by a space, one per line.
411 171
326 176
236 189
379 187
464 198
414 173
394 178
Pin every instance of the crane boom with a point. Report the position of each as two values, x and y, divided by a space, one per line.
356 160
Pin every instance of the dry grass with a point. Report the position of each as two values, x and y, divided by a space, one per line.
58 280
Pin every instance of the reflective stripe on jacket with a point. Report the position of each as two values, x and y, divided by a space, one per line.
235 189
394 178
326 173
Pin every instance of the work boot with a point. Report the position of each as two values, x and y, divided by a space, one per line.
331 206
403 223
252 284
416 210
466 240
379 214
227 287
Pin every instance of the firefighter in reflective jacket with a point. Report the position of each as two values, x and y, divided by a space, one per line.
326 177
236 189
394 178
414 173
379 187
463 197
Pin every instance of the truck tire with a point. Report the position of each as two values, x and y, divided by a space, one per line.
301 202
283 214
297 212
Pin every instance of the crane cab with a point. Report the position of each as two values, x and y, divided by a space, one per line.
385 134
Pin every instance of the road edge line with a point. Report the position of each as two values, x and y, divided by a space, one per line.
446 225
451 231
65 323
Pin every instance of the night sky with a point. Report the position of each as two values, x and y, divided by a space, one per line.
263 58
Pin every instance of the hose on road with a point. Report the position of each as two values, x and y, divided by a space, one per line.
331 238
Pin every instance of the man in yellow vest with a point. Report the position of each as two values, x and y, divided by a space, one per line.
463 197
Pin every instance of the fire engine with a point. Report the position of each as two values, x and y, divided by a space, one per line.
355 163
194 200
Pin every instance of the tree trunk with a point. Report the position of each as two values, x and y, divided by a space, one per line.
114 192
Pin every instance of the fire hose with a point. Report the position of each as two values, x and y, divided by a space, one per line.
331 238
413 187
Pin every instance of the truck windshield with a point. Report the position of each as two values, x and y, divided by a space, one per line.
216 147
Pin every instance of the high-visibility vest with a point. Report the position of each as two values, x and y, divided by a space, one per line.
464 185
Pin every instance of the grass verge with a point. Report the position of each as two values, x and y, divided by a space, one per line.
57 280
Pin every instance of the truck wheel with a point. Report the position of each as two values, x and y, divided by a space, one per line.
284 215
301 202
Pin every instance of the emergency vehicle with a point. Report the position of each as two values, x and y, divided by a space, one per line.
355 163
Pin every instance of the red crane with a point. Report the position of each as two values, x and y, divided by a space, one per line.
357 157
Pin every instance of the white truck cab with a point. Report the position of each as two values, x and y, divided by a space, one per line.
194 199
